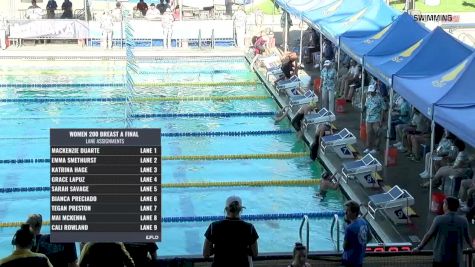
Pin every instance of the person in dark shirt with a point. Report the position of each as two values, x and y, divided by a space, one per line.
232 241
328 52
357 235
229 7
449 232
50 8
59 254
105 254
143 7
24 240
288 65
162 7
67 8
142 253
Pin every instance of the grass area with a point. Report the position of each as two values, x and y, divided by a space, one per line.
445 6
267 7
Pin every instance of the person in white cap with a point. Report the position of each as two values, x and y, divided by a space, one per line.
328 76
374 108
232 241
107 27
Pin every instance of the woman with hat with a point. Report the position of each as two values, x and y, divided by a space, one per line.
232 241
374 108
328 76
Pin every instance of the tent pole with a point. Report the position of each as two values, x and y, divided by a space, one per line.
391 100
432 139
181 10
362 93
301 41
85 10
338 60
286 32
321 49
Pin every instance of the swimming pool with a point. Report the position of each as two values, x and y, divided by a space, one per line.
37 96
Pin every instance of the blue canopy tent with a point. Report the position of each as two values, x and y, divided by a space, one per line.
448 96
409 80
459 120
404 27
362 22
384 64
298 7
334 11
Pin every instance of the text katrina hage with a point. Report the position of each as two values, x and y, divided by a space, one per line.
68 169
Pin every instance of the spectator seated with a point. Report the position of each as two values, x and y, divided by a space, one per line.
451 186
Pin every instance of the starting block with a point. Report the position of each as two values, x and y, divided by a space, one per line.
362 169
339 143
395 203
322 116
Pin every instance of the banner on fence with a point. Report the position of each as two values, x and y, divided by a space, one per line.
52 28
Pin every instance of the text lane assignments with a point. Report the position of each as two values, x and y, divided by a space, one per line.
105 185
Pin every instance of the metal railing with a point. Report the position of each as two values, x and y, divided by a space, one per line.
335 223
378 258
305 222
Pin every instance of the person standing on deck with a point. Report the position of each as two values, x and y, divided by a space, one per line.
239 19
357 235
232 241
328 76
449 232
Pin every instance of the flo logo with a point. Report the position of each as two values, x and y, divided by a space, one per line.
436 17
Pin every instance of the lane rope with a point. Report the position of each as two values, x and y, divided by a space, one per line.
205 115
209 218
201 98
14 73
156 84
136 99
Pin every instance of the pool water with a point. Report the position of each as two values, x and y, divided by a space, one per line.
25 134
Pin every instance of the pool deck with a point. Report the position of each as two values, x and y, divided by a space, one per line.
404 174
